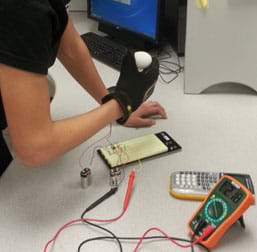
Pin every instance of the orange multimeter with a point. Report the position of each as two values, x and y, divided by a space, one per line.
224 205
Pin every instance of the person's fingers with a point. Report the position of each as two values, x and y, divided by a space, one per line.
140 122
145 122
162 109
154 108
153 111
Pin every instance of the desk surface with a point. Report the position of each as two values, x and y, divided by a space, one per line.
216 131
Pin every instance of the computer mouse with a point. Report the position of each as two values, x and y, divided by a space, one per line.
143 60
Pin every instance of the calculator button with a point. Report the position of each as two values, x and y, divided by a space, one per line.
166 137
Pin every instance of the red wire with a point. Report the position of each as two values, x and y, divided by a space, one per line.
206 232
129 190
125 205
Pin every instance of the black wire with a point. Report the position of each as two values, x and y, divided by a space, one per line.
118 239
100 200
102 228
192 240
170 67
113 236
136 238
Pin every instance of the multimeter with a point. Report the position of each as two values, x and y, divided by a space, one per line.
223 206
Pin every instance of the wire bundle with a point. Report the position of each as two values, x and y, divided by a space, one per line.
169 69
113 236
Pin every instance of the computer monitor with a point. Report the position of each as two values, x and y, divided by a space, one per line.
133 22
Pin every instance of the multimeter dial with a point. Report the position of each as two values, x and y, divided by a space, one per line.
216 210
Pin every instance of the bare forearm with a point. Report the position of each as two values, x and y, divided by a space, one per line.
76 58
61 136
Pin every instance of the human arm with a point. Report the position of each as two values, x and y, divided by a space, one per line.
37 139
76 58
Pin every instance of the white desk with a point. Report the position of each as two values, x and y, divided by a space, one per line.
34 203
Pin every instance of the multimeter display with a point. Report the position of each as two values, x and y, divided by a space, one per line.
223 207
231 192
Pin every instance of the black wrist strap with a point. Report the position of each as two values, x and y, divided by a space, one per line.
124 103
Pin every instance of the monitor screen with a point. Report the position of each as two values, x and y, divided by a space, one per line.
140 16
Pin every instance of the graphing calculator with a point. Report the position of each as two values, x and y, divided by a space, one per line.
223 206
196 185
138 148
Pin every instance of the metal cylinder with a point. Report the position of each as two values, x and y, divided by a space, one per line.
115 176
86 178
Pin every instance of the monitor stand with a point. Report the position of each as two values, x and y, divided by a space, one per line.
126 38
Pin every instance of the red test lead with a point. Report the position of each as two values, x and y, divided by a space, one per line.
129 190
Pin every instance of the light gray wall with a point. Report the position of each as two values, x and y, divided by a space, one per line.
221 44
78 5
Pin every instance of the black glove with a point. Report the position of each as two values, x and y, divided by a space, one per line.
133 87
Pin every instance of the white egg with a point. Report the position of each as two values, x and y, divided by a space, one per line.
143 60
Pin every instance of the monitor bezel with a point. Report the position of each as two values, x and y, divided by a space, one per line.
131 32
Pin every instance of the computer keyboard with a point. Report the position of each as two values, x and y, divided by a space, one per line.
104 49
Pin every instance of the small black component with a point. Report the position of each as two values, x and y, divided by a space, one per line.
200 226
242 222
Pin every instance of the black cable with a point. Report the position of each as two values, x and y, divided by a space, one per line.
113 236
192 240
135 238
168 67
96 203
100 200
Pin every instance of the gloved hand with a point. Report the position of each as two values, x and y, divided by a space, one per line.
133 86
